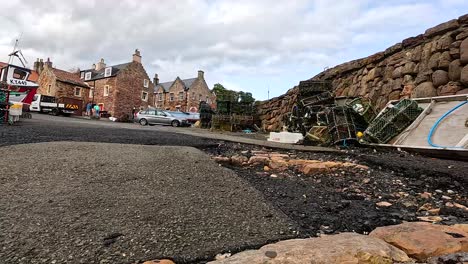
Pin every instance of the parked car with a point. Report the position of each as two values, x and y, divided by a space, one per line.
155 116
191 117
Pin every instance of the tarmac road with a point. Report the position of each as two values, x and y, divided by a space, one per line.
76 202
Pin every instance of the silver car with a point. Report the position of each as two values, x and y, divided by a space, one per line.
155 116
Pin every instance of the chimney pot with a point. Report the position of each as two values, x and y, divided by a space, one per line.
200 74
137 56
156 79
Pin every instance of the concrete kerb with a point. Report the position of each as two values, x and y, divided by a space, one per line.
249 141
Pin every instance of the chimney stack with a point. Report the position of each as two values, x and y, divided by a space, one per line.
156 79
200 74
48 63
100 65
38 65
137 56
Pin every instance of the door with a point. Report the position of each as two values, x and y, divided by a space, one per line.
162 117
151 116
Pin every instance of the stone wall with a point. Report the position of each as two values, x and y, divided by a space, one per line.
431 64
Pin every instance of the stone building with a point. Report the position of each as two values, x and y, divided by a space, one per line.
118 89
184 95
60 83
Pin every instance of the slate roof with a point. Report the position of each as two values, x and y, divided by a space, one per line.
68 77
95 75
166 85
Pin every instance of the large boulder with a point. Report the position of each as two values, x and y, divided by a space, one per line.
410 68
335 249
443 43
464 76
464 51
439 78
441 28
433 63
450 88
454 70
421 240
444 60
425 89
464 91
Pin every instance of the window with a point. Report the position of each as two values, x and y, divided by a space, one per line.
49 88
82 75
19 74
106 90
78 91
91 92
88 76
200 97
108 72
144 96
151 112
171 97
145 83
207 100
181 96
160 97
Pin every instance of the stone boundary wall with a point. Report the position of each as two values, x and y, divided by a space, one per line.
431 64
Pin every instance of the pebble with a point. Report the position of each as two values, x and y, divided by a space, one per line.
274 176
222 256
266 168
425 195
439 191
444 197
383 204
450 192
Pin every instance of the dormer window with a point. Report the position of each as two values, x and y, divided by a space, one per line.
145 83
108 72
82 75
87 76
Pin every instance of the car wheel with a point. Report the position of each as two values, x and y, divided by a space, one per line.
175 123
143 122
55 112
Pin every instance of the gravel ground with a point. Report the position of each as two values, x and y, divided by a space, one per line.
345 200
131 204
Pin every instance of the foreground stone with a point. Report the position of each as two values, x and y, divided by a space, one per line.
421 240
162 261
341 248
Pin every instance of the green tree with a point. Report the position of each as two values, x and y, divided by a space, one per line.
218 88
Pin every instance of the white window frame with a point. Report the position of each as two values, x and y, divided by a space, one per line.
106 90
82 75
171 97
79 92
145 83
91 92
108 72
160 97
87 76
180 97
144 96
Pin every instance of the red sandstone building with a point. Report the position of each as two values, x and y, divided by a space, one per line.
118 89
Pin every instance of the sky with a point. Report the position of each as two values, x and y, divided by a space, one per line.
260 46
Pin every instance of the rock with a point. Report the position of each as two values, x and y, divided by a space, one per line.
422 240
425 195
450 88
433 63
239 160
464 91
444 60
425 89
434 211
462 35
432 219
409 68
266 168
162 261
464 76
443 43
423 76
412 41
439 78
397 73
314 168
425 207
456 258
460 206
383 204
441 28
221 159
222 256
274 176
464 51
454 70
334 249
258 160
444 197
